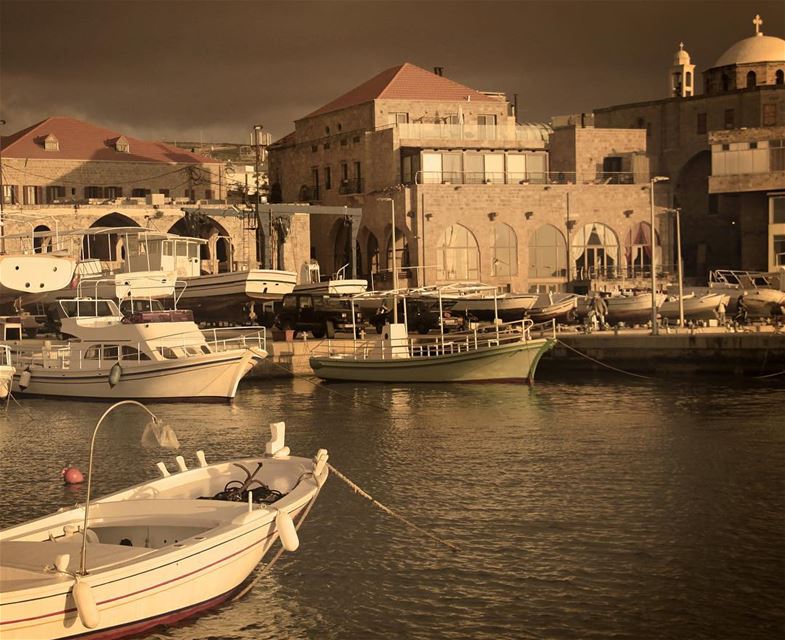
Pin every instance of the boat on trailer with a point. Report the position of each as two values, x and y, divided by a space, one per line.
154 354
157 552
335 285
696 307
502 351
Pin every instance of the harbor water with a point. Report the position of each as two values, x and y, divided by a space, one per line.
592 508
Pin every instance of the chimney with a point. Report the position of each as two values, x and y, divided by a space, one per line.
439 71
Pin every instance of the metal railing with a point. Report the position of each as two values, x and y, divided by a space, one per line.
537 136
527 177
479 337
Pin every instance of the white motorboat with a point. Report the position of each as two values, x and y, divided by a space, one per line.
501 351
144 355
336 285
157 552
696 307
485 306
6 371
764 293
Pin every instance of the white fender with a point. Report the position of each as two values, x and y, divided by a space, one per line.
286 531
24 379
85 604
115 373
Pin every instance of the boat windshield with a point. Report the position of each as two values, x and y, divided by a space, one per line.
79 308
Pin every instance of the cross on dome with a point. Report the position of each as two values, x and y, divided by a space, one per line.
757 22
681 46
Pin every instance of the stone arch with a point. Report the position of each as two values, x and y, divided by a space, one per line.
457 255
42 243
372 252
505 250
402 258
595 250
341 242
109 247
217 254
547 253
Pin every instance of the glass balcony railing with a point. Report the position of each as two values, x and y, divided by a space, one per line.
535 135
524 178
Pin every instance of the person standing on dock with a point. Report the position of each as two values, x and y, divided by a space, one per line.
742 313
721 313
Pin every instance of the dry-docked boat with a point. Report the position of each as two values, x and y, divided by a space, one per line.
695 307
486 305
559 307
157 552
26 275
764 293
501 351
338 284
144 355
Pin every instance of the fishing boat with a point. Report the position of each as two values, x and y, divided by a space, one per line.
156 354
338 284
558 307
696 307
502 351
156 552
487 305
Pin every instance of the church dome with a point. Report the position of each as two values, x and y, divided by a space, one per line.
758 48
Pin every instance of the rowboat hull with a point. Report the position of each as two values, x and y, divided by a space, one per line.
512 361
155 557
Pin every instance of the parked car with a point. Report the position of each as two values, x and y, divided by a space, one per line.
422 316
321 315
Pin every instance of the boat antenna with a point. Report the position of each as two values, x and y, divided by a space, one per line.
83 560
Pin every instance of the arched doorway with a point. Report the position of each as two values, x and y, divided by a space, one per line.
107 246
699 213
42 242
342 245
372 254
596 251
458 255
401 250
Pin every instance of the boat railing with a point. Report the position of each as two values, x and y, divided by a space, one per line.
5 356
476 338
219 338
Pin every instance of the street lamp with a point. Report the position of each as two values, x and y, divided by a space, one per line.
392 251
654 327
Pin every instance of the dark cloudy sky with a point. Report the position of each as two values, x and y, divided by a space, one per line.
209 69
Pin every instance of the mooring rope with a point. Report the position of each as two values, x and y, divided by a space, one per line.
354 487
588 357
771 375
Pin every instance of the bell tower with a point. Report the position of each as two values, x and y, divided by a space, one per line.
682 75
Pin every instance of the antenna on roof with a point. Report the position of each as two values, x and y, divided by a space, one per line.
439 71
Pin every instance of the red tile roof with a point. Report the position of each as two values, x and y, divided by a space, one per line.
404 82
84 141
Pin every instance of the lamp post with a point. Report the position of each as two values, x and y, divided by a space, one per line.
654 327
679 266
392 251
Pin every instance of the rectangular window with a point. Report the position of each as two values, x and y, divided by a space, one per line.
55 193
779 251
328 178
714 204
326 146
314 183
31 195
702 123
730 116
314 148
139 192
10 194
113 192
358 176
164 192
400 118
208 194
777 155
769 115
344 172
778 210
93 192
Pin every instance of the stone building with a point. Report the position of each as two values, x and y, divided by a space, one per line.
62 175
473 194
723 152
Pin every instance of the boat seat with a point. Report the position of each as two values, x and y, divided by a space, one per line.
37 556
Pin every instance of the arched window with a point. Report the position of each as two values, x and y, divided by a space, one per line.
401 250
505 250
458 255
688 79
547 253
637 248
261 246
779 77
595 249
751 80
725 82
42 243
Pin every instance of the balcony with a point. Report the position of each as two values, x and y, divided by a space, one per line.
350 186
531 136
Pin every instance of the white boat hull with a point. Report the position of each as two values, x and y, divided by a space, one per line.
256 284
207 377
25 275
513 361
695 308
333 287
509 308
184 555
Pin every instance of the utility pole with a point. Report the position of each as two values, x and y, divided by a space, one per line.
257 140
